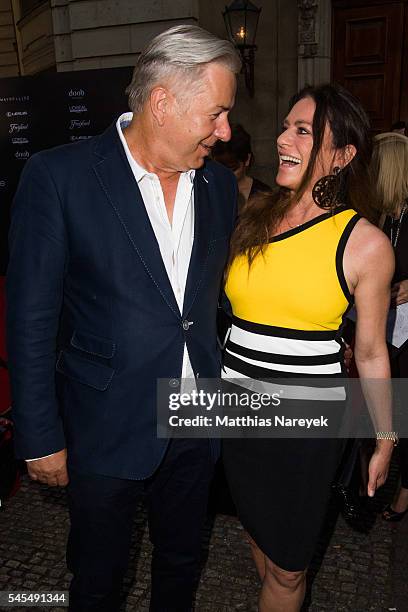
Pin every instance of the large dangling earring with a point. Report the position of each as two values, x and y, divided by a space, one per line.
327 192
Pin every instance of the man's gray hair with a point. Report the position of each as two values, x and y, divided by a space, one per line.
182 51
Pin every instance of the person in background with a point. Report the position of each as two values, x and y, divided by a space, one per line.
236 154
400 127
390 174
299 257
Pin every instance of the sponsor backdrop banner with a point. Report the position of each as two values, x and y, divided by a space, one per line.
42 111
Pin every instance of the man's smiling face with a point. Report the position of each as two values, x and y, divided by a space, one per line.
195 125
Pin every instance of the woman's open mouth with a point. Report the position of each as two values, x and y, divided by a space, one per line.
289 161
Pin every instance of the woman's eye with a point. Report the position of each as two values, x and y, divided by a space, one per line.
302 130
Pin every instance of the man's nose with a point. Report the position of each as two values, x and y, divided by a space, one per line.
223 129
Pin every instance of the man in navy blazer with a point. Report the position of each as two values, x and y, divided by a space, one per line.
117 250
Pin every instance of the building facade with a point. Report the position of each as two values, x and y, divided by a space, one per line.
296 41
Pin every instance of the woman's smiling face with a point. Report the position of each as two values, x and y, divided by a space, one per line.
295 146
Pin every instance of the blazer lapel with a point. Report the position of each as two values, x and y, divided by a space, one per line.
117 181
202 235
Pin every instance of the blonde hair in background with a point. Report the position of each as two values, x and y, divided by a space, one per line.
389 169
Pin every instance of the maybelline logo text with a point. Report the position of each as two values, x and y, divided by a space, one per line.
15 99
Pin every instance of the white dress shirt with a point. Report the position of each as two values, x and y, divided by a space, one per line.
175 239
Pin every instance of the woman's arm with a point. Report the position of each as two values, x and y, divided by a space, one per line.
369 267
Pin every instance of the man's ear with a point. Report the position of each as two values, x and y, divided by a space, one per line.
345 155
159 104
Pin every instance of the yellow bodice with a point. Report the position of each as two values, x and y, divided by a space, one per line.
298 281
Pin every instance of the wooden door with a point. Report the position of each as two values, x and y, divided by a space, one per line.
403 114
367 52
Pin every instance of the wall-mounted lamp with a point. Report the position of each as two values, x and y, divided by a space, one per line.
241 21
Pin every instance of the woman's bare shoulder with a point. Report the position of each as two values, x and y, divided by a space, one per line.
369 248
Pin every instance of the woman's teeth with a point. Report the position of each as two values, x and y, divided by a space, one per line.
288 160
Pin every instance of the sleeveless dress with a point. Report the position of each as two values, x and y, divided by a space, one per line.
288 310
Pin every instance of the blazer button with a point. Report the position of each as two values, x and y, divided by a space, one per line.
186 325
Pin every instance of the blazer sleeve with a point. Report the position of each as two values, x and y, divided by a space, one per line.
224 313
35 277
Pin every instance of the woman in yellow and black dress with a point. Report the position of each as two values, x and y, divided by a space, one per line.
299 257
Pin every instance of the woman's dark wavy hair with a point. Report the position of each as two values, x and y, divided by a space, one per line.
349 124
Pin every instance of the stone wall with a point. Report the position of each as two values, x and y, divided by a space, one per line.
35 38
108 33
314 26
8 56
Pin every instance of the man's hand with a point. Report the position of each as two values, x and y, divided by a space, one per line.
399 292
51 470
378 467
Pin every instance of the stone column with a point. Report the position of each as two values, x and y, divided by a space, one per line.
314 38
